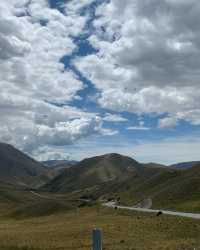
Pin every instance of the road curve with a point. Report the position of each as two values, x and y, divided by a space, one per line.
181 214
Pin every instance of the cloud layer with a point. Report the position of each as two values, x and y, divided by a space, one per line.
148 57
145 63
33 40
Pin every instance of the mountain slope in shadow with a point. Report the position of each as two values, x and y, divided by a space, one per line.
19 169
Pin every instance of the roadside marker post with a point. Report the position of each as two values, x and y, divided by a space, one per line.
97 239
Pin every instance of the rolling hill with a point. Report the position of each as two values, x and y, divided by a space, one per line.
173 189
181 191
114 175
102 177
101 172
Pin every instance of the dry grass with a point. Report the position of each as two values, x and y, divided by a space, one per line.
122 230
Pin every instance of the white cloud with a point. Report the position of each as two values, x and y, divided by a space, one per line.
33 40
46 153
114 118
168 122
64 133
141 126
109 132
29 125
147 63
148 57
75 6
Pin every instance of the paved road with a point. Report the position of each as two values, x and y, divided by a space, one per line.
188 215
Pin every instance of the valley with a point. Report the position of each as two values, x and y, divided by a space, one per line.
99 125
51 210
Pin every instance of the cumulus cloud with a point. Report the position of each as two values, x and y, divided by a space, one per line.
34 83
64 133
114 118
168 122
76 6
147 61
45 153
148 57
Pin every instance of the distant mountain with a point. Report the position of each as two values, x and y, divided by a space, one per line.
103 177
185 165
59 163
98 171
56 167
18 168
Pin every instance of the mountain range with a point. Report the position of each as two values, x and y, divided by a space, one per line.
105 177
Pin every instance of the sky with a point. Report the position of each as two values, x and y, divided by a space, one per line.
80 78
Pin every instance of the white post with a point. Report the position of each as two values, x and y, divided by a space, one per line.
97 239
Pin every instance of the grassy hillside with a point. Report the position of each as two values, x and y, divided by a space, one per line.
122 230
175 190
18 203
18 248
182 192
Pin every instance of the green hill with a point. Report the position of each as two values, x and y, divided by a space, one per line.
182 192
92 172
172 189
102 175
113 175
108 176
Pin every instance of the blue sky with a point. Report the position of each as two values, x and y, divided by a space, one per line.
91 77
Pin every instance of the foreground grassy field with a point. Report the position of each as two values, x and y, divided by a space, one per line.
122 230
